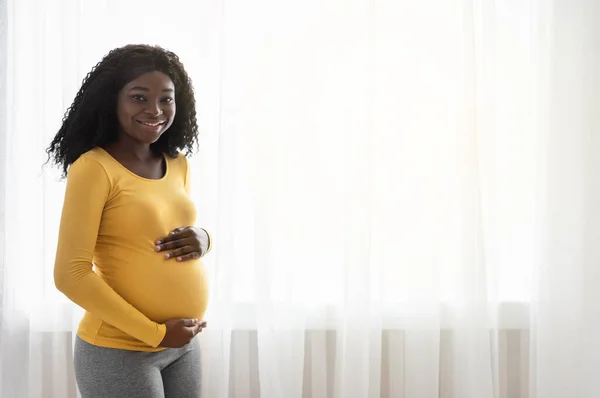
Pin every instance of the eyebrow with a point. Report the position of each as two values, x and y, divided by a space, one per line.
140 88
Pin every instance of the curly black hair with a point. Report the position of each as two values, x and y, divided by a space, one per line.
91 121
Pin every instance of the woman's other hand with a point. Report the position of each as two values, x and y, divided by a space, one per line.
181 331
184 243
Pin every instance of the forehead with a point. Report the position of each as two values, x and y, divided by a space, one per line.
152 80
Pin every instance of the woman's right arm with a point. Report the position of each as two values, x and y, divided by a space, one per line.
87 191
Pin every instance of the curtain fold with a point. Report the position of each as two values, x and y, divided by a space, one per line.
401 193
566 299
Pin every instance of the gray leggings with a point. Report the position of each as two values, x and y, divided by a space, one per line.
112 373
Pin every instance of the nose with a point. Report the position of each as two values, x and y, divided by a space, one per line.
154 109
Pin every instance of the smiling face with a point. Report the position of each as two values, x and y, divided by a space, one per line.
146 107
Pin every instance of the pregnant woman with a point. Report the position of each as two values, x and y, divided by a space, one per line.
128 251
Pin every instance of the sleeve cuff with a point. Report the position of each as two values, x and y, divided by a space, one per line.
210 242
161 331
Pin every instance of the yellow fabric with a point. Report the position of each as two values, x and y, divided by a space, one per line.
111 219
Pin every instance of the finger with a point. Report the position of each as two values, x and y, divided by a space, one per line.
190 256
192 331
179 252
173 235
167 238
176 244
189 322
202 324
199 329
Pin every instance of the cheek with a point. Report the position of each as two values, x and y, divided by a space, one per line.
170 113
125 115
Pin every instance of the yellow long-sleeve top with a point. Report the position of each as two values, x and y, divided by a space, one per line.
106 260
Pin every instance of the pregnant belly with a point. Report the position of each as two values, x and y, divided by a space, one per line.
162 290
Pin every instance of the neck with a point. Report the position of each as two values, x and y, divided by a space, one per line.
125 145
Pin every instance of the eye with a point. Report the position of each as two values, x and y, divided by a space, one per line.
168 100
138 97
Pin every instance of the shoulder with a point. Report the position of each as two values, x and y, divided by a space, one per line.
88 180
92 161
180 157
179 162
91 166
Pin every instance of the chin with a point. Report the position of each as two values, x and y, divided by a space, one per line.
149 138
155 138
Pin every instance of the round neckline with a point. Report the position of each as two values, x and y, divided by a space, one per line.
137 175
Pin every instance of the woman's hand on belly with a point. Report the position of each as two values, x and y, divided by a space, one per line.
181 331
185 243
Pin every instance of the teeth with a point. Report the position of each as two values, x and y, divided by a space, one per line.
152 124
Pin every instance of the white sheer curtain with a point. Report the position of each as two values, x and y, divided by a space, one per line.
567 300
392 186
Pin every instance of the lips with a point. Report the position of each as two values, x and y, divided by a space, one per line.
151 123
